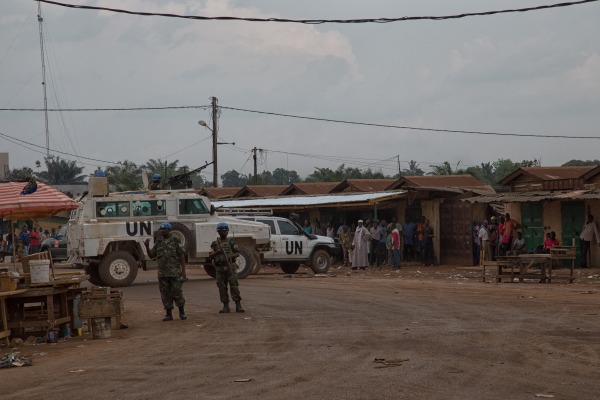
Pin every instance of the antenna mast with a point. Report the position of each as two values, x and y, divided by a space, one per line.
40 20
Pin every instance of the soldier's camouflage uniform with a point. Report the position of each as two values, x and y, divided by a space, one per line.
225 275
167 252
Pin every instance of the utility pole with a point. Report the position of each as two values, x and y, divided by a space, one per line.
399 169
40 20
254 157
214 137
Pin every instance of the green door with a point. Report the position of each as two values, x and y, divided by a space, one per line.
572 220
532 222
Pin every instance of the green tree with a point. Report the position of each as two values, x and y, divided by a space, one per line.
155 166
61 172
124 176
441 169
531 163
234 179
322 175
19 174
413 169
582 163
283 176
504 167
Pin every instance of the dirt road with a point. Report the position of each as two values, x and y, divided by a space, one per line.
423 333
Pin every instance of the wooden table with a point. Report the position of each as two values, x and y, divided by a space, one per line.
51 309
5 332
528 261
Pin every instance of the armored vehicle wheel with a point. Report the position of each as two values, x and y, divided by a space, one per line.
245 263
92 271
290 268
118 269
184 235
257 265
210 271
320 262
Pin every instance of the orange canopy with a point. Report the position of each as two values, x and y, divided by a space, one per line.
45 202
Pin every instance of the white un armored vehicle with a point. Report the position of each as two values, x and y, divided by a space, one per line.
106 233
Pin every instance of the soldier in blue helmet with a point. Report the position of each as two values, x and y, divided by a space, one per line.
171 270
223 255
155 184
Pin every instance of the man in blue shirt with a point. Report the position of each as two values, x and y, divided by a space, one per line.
409 229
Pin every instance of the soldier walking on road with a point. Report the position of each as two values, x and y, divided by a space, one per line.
223 255
171 270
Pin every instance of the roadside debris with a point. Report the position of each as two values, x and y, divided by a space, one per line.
243 380
14 360
390 363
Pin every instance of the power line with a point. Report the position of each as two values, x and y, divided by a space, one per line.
312 119
320 21
20 141
106 109
411 127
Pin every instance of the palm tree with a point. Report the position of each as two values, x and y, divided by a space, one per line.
125 176
158 167
413 169
61 172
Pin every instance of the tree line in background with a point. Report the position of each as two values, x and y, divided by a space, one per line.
127 175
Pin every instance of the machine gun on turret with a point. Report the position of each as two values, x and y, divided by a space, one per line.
183 180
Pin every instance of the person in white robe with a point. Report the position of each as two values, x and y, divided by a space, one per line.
360 246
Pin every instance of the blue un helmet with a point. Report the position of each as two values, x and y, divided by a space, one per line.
156 177
165 225
222 226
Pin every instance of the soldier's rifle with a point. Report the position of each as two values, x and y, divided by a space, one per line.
225 254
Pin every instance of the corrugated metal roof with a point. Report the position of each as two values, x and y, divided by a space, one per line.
547 173
364 185
531 197
550 173
261 190
311 187
284 201
219 192
458 181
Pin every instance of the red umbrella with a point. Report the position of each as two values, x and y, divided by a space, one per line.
42 202
45 202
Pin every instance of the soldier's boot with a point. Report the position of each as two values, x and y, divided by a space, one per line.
169 316
182 313
238 306
225 308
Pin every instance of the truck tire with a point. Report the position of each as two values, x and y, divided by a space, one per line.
320 262
186 238
244 262
210 270
290 268
257 265
242 266
118 269
92 271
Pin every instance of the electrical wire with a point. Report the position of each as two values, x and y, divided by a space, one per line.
320 21
107 109
8 137
411 127
338 121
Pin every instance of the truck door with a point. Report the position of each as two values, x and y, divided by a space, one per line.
294 244
275 239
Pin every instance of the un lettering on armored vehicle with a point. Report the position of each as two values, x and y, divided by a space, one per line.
106 233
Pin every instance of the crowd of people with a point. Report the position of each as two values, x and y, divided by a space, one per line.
26 240
497 238
377 243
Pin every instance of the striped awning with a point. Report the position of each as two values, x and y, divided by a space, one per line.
45 202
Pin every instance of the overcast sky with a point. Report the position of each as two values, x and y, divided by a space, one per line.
520 73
